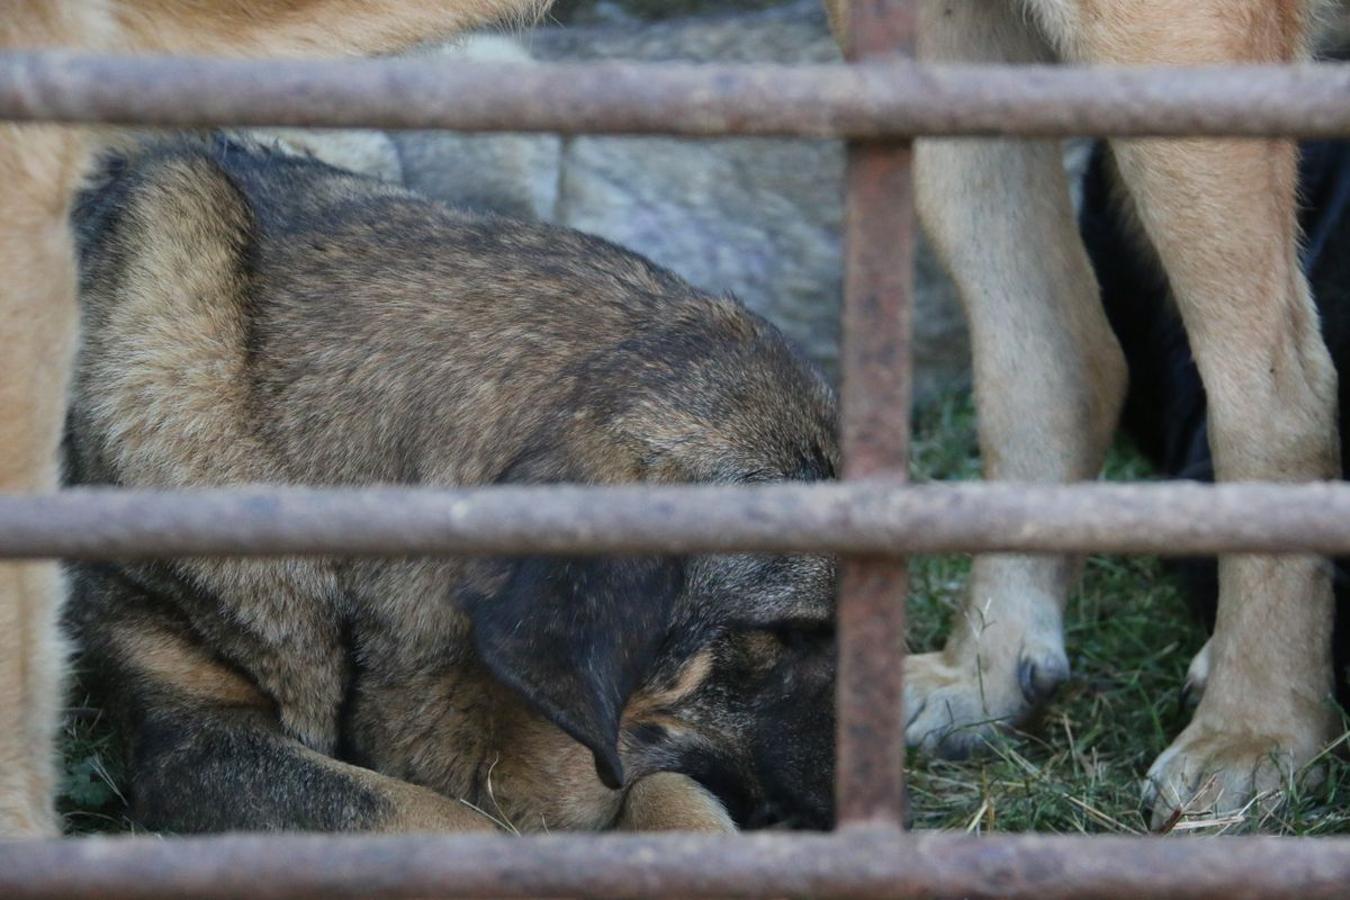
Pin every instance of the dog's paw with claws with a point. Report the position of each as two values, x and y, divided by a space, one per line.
951 709
1236 780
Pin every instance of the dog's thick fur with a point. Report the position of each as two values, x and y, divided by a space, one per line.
40 168
1050 378
251 317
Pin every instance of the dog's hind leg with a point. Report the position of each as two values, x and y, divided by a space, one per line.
198 768
1049 379
206 750
39 168
1222 216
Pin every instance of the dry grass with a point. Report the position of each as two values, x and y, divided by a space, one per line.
1130 637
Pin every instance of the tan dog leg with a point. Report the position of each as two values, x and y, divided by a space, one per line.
668 801
39 168
1049 379
1222 216
37 338
30 666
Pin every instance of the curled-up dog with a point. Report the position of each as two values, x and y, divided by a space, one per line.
253 317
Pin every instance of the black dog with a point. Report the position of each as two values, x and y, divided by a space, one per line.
1164 410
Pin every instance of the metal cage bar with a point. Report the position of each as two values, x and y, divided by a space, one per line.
863 863
874 401
859 518
876 100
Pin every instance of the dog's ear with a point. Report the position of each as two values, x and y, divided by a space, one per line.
575 636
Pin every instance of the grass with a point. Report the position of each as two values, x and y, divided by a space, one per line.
91 797
1130 638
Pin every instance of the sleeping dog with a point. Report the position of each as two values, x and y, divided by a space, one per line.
255 317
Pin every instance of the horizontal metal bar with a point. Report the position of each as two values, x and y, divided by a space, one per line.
875 100
856 518
861 863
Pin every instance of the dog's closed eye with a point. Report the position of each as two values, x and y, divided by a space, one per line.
798 632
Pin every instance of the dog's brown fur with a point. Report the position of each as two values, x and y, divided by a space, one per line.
40 167
253 317
1049 378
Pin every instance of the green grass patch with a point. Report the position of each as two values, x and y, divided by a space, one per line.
92 798
1130 635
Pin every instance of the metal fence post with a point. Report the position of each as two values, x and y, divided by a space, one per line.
878 278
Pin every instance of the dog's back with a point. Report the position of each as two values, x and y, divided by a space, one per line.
373 294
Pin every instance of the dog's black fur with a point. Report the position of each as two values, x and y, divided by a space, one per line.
1164 410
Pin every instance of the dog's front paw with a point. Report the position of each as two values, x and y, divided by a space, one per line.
952 709
1213 777
667 801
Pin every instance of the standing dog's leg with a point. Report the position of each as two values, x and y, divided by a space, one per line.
1222 217
1049 379
38 166
197 768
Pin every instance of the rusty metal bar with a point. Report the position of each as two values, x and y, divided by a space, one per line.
864 863
865 101
875 401
858 519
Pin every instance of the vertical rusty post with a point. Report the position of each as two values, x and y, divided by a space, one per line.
878 278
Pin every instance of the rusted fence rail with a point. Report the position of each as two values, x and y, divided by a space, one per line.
861 863
876 100
879 519
874 442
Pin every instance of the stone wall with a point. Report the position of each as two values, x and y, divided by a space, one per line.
757 218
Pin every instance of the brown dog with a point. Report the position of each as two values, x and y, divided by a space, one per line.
253 317
40 167
1049 379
